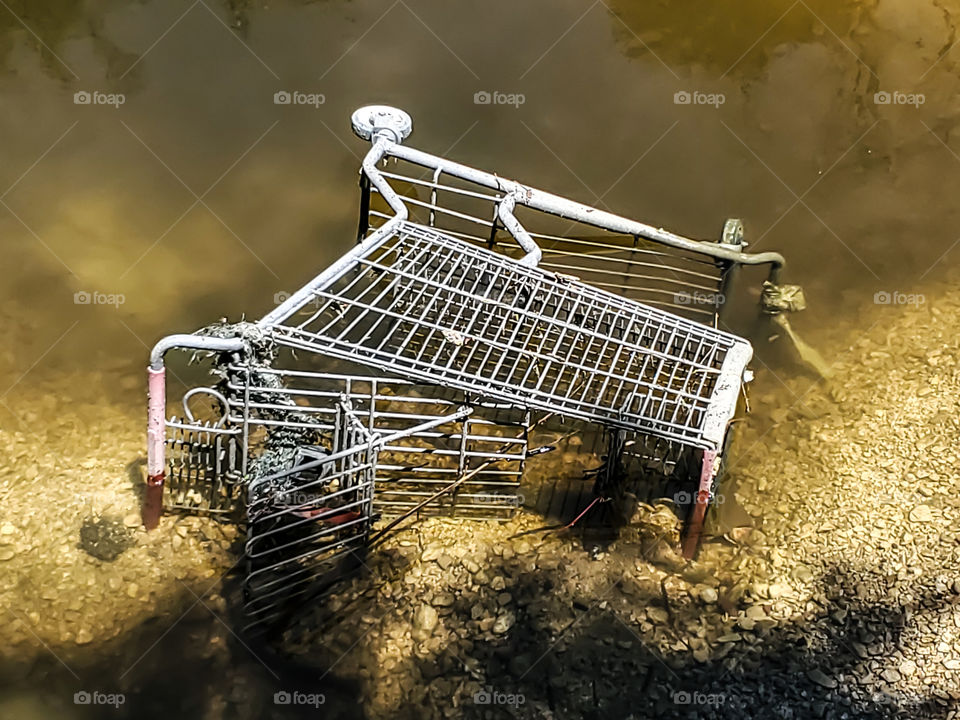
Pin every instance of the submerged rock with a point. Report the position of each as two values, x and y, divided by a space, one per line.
921 514
104 538
504 622
425 621
821 678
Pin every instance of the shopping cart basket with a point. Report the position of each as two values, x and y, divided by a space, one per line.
406 378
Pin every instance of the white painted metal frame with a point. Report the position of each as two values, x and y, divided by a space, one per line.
418 303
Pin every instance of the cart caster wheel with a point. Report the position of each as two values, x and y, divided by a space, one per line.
373 120
733 234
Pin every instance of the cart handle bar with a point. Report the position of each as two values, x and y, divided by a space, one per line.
386 128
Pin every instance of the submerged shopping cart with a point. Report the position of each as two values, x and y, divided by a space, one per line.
407 379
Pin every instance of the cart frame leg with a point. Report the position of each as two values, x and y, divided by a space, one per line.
156 437
698 514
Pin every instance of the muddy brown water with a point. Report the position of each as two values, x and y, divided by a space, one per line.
830 128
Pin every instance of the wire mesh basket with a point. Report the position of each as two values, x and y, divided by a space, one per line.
306 521
412 467
417 302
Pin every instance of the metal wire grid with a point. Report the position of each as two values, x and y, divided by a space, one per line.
493 455
409 469
685 283
680 283
304 534
421 304
203 467
652 468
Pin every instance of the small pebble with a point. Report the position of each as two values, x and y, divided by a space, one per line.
708 595
821 678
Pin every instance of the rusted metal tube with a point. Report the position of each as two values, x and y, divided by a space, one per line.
156 414
698 514
156 437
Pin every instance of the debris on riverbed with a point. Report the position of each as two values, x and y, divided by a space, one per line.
104 538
